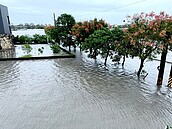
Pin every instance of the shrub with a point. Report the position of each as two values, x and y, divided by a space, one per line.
27 48
55 48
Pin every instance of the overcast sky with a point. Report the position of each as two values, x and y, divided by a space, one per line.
112 11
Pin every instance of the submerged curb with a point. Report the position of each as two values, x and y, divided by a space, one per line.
70 55
169 62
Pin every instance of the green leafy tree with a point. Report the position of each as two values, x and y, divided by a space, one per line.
25 39
63 26
120 46
39 38
101 42
82 30
52 34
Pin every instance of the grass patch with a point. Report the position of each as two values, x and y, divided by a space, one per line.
26 56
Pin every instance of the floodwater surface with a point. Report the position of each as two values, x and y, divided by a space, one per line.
79 94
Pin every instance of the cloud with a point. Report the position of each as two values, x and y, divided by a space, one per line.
113 11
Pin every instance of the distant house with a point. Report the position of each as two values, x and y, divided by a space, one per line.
4 20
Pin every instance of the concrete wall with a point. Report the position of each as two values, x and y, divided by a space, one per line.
4 20
5 42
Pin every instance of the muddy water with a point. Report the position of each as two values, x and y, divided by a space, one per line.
79 94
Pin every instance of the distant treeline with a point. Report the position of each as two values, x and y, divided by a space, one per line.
28 26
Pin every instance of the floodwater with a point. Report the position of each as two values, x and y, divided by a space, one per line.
46 51
28 32
80 93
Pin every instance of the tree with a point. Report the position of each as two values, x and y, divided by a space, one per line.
51 33
101 42
82 30
144 36
63 26
120 46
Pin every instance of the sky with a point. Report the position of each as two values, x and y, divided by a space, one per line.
112 11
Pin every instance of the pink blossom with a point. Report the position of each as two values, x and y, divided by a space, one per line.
162 13
133 42
154 32
86 29
166 16
77 35
136 33
128 16
124 30
157 17
150 24
162 33
133 25
170 17
141 31
97 26
143 21
152 14
170 40
149 44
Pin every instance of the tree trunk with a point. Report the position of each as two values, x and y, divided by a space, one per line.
141 66
123 61
106 57
162 66
69 47
80 47
95 54
91 51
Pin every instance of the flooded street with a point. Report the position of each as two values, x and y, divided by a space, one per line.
80 93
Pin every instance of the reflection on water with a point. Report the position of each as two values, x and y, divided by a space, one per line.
79 94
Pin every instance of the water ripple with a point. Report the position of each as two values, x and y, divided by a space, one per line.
78 94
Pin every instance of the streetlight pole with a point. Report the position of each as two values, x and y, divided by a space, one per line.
54 16
162 66
163 60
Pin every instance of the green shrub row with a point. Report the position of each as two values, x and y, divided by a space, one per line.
36 39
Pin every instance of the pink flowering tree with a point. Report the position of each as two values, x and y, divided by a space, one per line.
49 31
148 34
82 30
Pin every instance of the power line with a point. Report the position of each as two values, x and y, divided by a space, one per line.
115 7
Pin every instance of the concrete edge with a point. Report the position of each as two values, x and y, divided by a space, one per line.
71 55
165 61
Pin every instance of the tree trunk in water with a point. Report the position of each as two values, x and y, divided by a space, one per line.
162 66
95 54
69 48
80 47
123 61
91 51
106 57
141 66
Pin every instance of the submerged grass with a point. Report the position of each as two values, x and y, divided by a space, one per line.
26 56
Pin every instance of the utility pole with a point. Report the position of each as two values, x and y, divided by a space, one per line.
162 66
54 16
163 60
